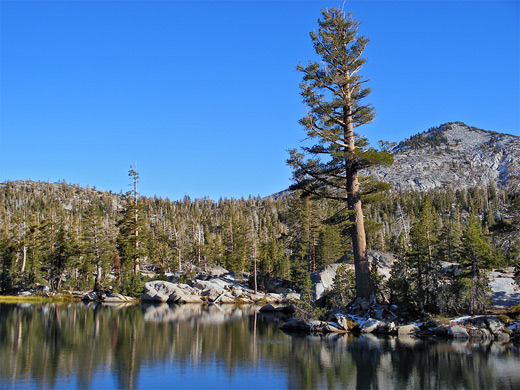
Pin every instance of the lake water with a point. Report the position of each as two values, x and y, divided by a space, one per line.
221 347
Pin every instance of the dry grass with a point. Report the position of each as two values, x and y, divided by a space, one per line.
36 299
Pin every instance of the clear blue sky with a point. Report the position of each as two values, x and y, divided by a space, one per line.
204 94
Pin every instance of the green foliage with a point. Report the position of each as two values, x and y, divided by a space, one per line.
331 247
306 307
425 270
433 138
476 258
286 228
131 235
335 93
399 286
343 290
8 258
131 285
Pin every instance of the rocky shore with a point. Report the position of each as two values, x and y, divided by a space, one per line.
216 285
484 327
214 290
380 319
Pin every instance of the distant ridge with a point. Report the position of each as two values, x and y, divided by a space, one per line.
453 155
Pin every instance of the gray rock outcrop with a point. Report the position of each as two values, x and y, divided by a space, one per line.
458 332
408 329
323 279
453 155
217 289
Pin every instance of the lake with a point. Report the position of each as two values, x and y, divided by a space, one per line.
220 347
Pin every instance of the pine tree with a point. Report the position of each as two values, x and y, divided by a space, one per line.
343 289
330 246
131 228
303 237
425 268
64 250
476 258
7 260
98 242
333 91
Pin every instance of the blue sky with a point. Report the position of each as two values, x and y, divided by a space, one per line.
204 94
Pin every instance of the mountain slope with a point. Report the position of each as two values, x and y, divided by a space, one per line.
454 155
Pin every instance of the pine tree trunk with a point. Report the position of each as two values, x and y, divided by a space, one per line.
24 259
359 245
97 281
136 222
254 270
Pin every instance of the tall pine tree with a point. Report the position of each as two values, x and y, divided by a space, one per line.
334 93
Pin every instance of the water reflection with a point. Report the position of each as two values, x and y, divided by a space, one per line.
225 346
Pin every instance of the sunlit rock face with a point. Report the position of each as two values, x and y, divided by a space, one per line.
323 279
455 156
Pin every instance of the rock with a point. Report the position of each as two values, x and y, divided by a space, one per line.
116 298
486 334
158 291
289 309
502 337
188 298
162 291
296 324
458 332
90 297
225 284
494 325
293 297
324 278
208 287
480 334
42 288
408 329
463 162
153 297
212 296
384 262
237 292
279 285
267 308
25 293
384 328
280 309
332 328
440 331
210 270
370 326
342 322
378 313
226 299
515 329
273 297
346 323
505 291
259 297
316 325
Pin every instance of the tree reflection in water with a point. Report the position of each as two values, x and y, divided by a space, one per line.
119 346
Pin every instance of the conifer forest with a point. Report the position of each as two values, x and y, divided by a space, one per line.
67 237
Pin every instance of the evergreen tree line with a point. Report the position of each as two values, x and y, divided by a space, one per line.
64 236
